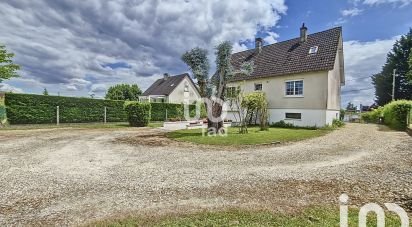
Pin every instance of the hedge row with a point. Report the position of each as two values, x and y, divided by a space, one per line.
39 109
397 113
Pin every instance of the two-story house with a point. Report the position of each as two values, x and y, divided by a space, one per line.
172 89
301 77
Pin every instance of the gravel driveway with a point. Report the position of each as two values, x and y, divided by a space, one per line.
76 176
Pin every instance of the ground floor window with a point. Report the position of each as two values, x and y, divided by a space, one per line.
293 116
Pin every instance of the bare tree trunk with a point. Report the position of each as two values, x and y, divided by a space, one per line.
216 113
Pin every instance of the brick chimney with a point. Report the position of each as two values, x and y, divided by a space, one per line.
303 33
258 45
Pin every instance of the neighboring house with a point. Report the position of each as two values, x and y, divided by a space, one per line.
301 77
172 89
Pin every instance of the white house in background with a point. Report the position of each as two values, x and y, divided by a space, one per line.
301 77
172 89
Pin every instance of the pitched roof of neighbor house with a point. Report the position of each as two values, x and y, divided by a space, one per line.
165 86
291 56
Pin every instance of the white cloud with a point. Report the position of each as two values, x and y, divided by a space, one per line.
9 88
363 59
351 12
395 2
98 88
59 43
271 38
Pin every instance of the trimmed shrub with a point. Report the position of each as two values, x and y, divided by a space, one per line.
282 124
138 114
39 109
372 116
336 123
396 114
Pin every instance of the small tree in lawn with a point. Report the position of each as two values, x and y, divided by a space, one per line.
197 61
7 68
256 105
236 99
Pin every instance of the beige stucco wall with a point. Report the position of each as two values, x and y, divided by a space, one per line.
177 96
334 81
315 90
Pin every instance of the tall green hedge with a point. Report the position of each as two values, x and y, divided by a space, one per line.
396 114
38 109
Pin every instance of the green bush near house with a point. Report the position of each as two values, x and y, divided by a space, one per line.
138 114
396 114
372 116
283 124
336 123
41 109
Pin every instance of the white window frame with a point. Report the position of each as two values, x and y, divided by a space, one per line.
294 85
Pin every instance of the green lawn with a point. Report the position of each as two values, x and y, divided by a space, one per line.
77 125
310 217
255 136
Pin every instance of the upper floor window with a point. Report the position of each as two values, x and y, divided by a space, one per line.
294 88
258 87
186 87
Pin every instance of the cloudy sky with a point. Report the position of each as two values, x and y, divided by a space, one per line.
78 48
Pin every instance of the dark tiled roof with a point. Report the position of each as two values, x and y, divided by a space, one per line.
291 56
165 87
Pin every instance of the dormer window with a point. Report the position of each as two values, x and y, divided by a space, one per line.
313 50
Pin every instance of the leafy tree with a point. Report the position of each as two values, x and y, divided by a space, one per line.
410 67
198 62
396 59
7 67
256 105
124 92
45 92
351 107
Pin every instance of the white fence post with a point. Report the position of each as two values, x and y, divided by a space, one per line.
105 114
58 115
166 115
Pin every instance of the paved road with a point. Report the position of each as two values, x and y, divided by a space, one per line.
75 176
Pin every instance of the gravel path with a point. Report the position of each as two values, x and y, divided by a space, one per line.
76 176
